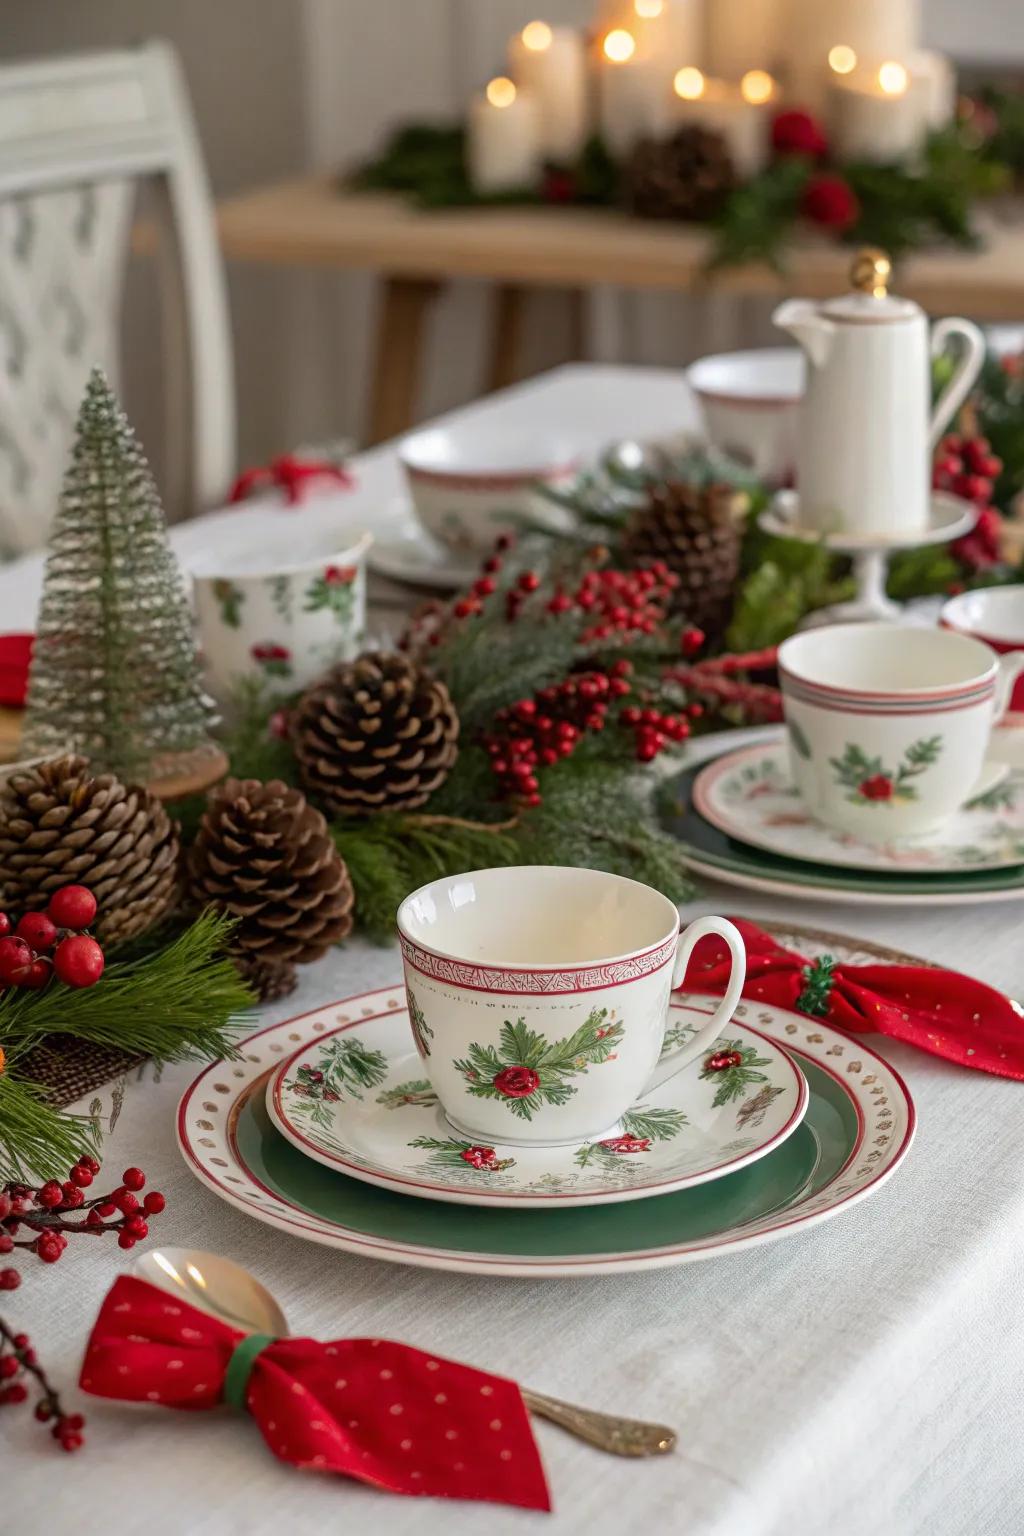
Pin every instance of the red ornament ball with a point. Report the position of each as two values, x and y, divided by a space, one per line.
37 930
73 906
830 202
78 961
798 133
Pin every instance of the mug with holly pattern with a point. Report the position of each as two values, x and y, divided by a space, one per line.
282 615
889 725
539 998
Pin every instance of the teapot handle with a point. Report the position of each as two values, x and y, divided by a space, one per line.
964 374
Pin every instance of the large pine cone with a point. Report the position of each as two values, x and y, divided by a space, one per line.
688 176
376 734
698 532
59 825
264 855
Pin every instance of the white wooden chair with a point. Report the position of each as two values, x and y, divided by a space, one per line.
78 134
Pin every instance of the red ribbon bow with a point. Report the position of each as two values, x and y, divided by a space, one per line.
292 475
370 1409
939 1011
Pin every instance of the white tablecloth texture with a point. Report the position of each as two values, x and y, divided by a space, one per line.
864 1375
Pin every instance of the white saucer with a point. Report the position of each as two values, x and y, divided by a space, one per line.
749 795
408 553
356 1100
949 517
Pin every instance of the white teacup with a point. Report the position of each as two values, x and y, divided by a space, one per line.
470 484
539 998
889 726
284 613
751 404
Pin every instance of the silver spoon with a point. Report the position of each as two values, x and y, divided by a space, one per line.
227 1291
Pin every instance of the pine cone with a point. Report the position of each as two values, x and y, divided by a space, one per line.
263 854
59 825
376 734
698 532
688 176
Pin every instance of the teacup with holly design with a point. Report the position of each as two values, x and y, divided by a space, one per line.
889 725
284 613
539 997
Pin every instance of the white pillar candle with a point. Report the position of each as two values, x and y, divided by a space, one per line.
549 64
740 113
742 35
859 34
635 102
937 79
877 116
503 143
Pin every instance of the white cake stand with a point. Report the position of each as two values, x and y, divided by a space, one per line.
949 518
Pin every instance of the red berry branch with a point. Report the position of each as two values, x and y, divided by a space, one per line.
719 680
50 943
44 1212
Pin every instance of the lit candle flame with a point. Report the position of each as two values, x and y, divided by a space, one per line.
500 91
842 59
689 83
757 86
619 45
892 78
649 10
536 36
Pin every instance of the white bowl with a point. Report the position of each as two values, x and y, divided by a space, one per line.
469 484
751 403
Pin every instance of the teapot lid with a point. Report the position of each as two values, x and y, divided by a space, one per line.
870 300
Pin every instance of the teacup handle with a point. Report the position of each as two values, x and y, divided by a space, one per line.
676 1060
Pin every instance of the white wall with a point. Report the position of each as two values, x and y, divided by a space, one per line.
279 85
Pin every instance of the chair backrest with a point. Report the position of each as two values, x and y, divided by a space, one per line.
77 134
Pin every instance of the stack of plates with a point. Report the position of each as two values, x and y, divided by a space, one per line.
327 1129
740 819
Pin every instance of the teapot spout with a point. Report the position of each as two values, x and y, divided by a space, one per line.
804 321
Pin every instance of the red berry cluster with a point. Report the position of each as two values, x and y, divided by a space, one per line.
536 733
44 1213
18 1362
652 731
50 942
967 467
619 602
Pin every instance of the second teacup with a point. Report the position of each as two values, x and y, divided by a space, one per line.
889 726
539 997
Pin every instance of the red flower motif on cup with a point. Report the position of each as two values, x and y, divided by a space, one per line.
340 575
878 787
517 1082
268 651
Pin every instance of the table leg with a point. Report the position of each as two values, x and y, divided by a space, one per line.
506 335
405 306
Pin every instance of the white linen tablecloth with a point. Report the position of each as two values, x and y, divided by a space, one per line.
864 1374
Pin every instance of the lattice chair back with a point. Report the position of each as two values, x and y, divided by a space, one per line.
77 136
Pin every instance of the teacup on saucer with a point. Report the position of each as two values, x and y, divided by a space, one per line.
538 998
889 726
356 1100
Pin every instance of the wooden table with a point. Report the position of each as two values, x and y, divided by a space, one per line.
309 222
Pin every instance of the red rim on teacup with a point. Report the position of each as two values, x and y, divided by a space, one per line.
802 680
570 975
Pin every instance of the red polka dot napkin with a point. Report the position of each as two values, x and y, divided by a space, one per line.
370 1409
939 1011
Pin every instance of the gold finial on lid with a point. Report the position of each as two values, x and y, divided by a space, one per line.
871 271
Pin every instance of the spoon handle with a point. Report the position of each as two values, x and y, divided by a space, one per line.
608 1431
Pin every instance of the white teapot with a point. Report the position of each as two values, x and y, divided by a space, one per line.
867 427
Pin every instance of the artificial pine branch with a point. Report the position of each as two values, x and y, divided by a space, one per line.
177 1003
35 1139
